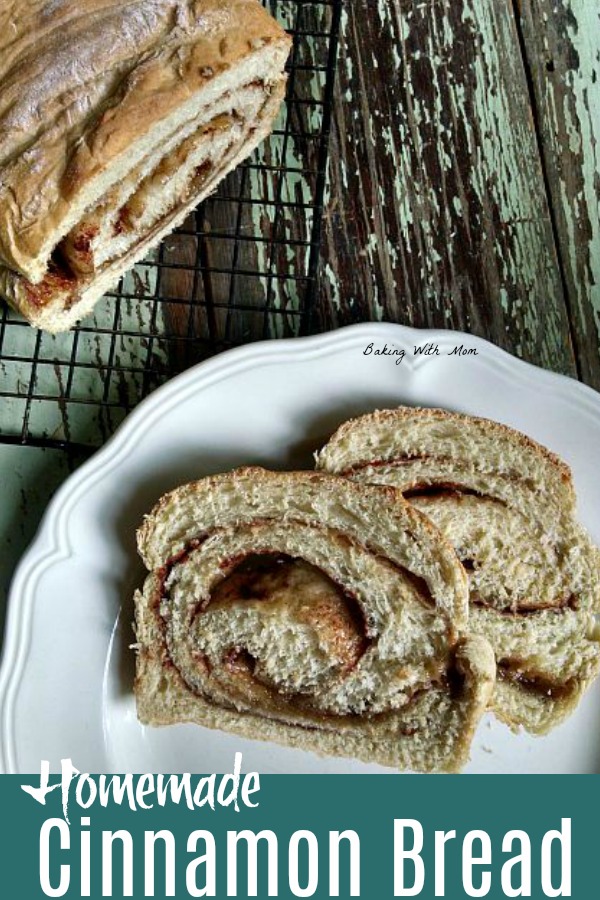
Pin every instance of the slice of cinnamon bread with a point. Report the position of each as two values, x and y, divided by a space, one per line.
311 611
508 507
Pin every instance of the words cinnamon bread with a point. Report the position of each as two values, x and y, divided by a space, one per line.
310 611
116 120
508 507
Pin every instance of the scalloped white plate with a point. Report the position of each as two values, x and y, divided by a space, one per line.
66 678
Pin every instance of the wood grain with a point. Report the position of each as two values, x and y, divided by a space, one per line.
561 40
438 214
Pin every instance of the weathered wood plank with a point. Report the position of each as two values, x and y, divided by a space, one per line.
438 211
562 45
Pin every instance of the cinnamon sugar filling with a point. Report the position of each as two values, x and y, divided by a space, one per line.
517 672
73 262
447 490
312 602
276 580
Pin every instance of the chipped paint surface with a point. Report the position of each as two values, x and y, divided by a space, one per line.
29 479
443 185
564 59
70 410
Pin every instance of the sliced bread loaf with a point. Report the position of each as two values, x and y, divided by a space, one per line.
116 119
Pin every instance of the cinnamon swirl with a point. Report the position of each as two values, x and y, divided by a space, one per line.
507 505
310 611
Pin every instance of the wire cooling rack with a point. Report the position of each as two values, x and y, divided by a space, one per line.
242 268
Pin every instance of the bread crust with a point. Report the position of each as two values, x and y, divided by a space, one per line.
371 422
81 81
154 548
60 301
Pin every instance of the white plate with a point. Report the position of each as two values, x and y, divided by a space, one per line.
66 679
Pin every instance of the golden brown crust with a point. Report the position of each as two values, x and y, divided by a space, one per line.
491 428
62 298
81 81
391 496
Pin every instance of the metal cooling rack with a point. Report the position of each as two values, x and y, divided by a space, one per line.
242 268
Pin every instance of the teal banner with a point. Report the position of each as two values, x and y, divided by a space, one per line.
374 837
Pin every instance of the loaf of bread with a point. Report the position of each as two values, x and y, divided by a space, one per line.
508 507
117 119
309 611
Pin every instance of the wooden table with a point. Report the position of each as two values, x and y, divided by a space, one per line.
464 192
465 174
